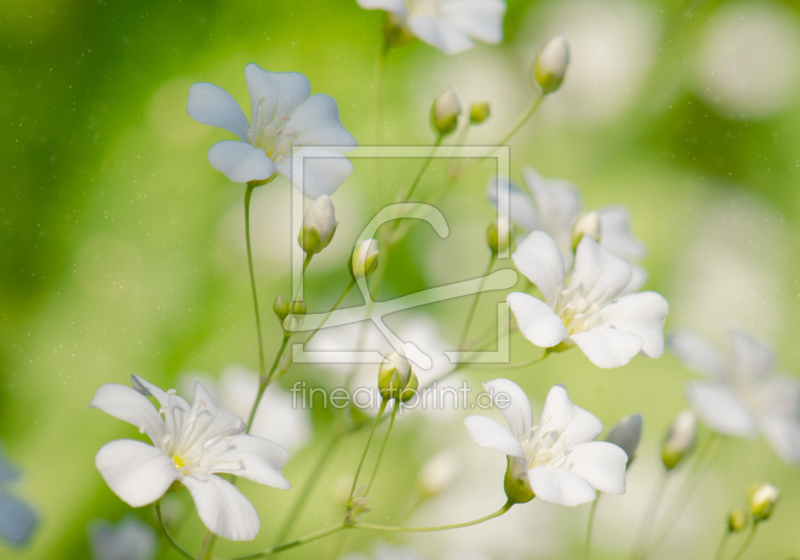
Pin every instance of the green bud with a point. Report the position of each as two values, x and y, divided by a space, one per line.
498 234
393 375
299 307
411 388
364 260
680 439
319 225
737 520
445 112
479 112
763 498
395 31
551 63
281 307
517 489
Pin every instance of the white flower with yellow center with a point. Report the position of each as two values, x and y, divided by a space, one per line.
557 461
592 310
191 443
448 25
287 127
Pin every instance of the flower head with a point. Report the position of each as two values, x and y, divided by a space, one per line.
557 461
449 25
763 497
283 116
680 439
592 310
364 259
191 444
319 225
743 395
551 64
444 112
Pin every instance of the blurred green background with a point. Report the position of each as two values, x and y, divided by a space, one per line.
122 248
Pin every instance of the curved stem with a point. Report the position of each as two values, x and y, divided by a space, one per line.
497 513
746 544
411 190
723 544
347 290
383 447
248 193
649 516
476 300
302 540
366 448
534 106
588 546
170 538
518 364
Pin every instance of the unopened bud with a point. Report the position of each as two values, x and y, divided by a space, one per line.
587 225
551 64
763 498
498 234
364 259
626 434
393 375
299 307
319 225
518 489
281 307
438 473
737 520
680 439
410 390
445 112
479 112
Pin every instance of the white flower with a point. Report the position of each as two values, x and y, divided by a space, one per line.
558 460
592 310
743 394
439 472
190 444
449 25
319 225
282 116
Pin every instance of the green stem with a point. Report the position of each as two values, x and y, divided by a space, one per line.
366 448
383 447
518 364
588 546
476 300
410 192
723 544
301 541
650 515
248 193
347 290
170 538
208 546
380 68
746 544
531 110
497 513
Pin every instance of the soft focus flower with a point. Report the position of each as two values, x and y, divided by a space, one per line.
449 25
444 112
763 498
551 64
557 461
627 434
479 112
130 539
364 259
393 375
498 234
743 395
190 444
680 439
319 225
438 473
282 116
17 518
592 310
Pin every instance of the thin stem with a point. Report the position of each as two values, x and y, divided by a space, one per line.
380 68
248 193
497 513
588 546
723 544
476 300
301 541
208 546
650 515
411 190
172 541
349 287
383 447
746 544
518 365
366 448
534 106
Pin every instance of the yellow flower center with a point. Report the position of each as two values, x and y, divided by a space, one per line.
178 461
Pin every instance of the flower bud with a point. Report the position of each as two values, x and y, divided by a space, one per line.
737 519
281 307
763 498
445 112
680 439
479 112
438 473
393 375
410 390
626 434
517 489
299 307
319 225
551 63
498 234
364 260
587 225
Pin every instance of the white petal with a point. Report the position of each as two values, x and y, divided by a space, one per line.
131 406
616 236
638 279
539 259
212 105
607 347
136 472
395 6
514 405
641 314
536 320
217 419
316 171
721 410
559 486
222 508
493 435
240 162
178 407
601 464
752 359
480 19
783 433
779 394
509 199
254 458
281 92
558 203
437 32
316 122
571 423
696 353
602 275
